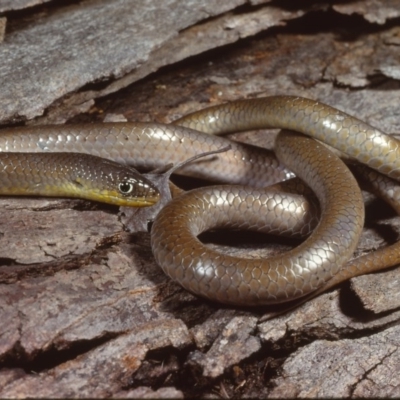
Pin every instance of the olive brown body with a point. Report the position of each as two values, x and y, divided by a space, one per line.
317 262
277 279
74 175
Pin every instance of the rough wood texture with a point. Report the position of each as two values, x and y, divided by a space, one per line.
371 10
94 41
11 5
84 309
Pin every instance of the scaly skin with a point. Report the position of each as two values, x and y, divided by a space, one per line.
353 137
151 145
310 268
281 278
74 175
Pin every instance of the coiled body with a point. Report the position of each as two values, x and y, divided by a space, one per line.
249 282
298 272
313 264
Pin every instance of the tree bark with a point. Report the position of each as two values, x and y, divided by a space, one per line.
85 311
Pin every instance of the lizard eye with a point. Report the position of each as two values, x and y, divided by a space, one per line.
125 187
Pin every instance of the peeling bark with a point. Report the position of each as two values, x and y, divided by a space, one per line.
84 309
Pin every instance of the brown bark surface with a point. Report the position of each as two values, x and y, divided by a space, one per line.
85 311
